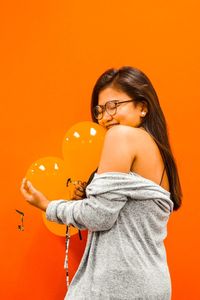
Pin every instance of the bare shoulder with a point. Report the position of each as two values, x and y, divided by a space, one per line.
117 155
135 136
125 130
141 148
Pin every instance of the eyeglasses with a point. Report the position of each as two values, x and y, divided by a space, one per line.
110 107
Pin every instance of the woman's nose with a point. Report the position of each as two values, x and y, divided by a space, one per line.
106 117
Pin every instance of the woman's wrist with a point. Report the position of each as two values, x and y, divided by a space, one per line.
44 205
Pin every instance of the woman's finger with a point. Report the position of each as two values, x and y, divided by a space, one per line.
23 187
23 181
80 188
24 184
31 188
27 189
26 195
80 191
77 197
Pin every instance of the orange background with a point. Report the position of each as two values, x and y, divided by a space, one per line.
50 56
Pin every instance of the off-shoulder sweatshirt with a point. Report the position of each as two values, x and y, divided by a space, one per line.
126 216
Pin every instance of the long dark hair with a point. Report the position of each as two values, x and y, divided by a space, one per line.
137 85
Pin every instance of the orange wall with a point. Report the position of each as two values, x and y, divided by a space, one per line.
50 56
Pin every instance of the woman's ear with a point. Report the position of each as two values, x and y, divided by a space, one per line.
144 109
143 113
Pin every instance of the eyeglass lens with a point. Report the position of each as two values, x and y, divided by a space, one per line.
110 108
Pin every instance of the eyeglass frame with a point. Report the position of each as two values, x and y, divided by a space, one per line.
104 107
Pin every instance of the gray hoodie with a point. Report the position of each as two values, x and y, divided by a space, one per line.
126 216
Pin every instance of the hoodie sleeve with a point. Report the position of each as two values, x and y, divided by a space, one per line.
106 195
97 212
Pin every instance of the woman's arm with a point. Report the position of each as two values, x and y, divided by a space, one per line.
100 210
95 213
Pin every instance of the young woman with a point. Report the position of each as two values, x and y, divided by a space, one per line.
129 198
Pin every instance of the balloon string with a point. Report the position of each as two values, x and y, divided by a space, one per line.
79 233
66 266
21 227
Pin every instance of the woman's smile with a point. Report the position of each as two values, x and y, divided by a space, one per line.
111 125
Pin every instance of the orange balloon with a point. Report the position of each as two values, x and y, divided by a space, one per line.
81 149
58 229
55 177
49 176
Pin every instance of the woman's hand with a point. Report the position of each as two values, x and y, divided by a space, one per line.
33 196
79 192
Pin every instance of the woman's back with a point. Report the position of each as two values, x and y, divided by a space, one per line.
148 161
126 259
